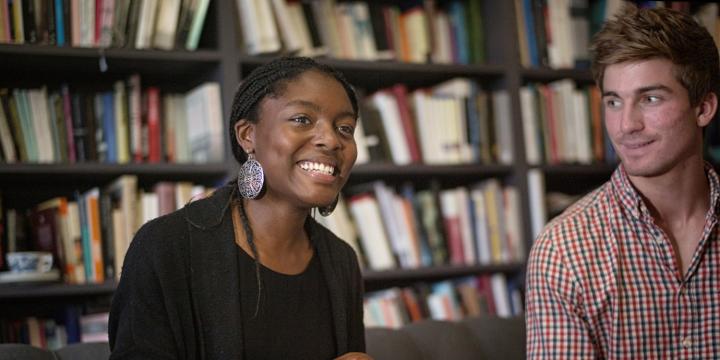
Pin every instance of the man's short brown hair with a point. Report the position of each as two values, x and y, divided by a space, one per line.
643 34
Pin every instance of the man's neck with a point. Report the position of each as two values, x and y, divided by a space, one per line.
677 195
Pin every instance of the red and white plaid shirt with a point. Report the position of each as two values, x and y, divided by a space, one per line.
603 282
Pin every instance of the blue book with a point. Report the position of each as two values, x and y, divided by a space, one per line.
461 52
59 23
530 34
108 126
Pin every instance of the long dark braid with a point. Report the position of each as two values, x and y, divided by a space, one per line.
269 80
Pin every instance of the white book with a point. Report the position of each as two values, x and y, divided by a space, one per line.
392 124
182 138
41 125
87 23
166 24
324 12
582 127
366 213
341 224
442 49
363 155
205 124
501 296
367 50
397 234
291 32
258 26
146 24
536 195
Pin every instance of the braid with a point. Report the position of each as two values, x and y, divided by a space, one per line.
256 255
268 80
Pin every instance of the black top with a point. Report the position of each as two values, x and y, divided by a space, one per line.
179 295
294 319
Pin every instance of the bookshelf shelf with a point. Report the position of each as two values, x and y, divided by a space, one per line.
576 179
41 173
57 63
370 171
55 290
548 74
376 74
387 278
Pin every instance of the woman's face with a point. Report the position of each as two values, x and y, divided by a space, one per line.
304 140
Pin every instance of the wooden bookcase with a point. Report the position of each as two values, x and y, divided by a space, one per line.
219 58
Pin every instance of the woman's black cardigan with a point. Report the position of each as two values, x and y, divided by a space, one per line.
179 295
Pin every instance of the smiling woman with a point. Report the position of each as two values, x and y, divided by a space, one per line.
248 273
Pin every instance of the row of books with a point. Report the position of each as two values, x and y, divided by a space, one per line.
140 24
453 122
563 124
451 300
89 233
411 229
126 124
557 33
414 31
69 326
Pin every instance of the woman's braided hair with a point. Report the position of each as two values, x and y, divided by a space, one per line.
270 80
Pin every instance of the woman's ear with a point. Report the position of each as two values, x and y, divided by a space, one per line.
245 134
706 109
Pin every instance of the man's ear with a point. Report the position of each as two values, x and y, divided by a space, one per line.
245 134
705 111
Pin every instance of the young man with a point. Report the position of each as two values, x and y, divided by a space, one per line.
633 269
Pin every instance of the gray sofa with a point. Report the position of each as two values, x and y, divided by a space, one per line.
473 338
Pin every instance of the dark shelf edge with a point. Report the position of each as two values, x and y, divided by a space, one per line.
375 169
437 272
110 53
570 169
27 291
391 65
549 74
111 169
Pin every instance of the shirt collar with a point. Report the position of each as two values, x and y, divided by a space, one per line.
631 200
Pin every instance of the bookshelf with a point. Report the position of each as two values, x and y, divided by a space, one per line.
220 58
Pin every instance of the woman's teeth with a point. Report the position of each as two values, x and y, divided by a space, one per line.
317 167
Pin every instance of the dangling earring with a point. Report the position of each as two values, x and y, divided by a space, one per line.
250 178
327 210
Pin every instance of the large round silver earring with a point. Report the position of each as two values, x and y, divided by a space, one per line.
327 210
250 178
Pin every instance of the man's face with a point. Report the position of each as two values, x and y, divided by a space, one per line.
649 119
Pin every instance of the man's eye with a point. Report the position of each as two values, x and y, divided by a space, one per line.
652 99
612 103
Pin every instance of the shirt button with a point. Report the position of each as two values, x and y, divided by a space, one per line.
687 342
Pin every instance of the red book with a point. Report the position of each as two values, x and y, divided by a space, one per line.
153 125
400 93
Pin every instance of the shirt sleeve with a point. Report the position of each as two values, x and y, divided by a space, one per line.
556 322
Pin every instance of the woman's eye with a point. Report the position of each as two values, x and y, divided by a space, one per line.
302 119
347 129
